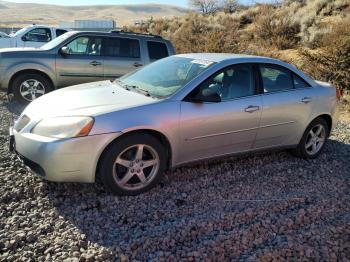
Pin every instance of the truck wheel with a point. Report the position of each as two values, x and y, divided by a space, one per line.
28 87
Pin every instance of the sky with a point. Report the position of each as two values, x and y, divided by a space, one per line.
182 3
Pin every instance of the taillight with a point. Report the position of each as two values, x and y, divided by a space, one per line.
337 93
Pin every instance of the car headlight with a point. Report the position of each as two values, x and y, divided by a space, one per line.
64 127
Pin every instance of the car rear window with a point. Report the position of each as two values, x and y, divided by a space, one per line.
299 82
157 50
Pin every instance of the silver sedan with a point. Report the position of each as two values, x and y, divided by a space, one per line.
177 110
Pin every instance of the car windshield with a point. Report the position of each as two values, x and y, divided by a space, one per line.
164 77
20 31
58 40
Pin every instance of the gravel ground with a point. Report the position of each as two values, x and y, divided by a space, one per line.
263 207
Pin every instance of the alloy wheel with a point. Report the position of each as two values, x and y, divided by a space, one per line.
136 167
315 139
31 89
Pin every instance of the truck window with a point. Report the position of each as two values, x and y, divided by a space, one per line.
122 47
60 32
157 50
38 35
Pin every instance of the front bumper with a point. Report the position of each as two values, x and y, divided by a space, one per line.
66 160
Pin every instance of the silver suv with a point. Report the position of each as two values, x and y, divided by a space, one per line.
75 58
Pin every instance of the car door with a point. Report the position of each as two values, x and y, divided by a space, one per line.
287 104
121 55
82 63
211 129
36 37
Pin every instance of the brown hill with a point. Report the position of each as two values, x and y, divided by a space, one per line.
20 14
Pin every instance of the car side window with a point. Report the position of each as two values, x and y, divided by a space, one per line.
122 47
38 35
233 82
275 78
85 45
60 32
299 82
157 50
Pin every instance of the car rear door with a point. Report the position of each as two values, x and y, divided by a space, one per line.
287 104
121 55
211 129
84 62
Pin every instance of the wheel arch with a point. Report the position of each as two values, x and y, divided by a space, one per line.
28 71
157 134
326 117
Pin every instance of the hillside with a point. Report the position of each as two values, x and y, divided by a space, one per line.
19 14
314 35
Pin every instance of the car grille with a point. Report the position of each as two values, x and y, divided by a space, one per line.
21 123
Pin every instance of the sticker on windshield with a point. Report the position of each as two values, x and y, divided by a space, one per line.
202 62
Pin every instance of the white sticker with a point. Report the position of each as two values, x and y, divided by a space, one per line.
202 62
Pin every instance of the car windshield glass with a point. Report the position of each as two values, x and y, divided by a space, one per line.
164 77
55 42
21 31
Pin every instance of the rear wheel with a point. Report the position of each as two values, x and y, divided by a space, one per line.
133 165
28 87
313 141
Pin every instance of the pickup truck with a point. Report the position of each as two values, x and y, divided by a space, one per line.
4 35
76 58
31 36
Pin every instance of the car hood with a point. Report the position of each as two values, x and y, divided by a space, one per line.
87 99
20 49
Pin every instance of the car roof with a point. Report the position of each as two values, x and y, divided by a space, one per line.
120 33
220 57
226 58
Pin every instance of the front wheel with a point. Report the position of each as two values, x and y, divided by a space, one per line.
28 87
133 164
314 139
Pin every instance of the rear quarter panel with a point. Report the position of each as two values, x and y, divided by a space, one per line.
326 102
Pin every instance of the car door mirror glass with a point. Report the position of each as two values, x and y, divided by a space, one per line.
64 51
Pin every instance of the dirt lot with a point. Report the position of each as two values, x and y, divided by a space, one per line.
261 207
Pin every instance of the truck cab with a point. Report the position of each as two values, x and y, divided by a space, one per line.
32 36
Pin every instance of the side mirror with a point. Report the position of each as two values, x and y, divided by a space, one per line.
207 95
24 38
64 51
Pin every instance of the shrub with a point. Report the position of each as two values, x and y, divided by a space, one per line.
273 28
331 62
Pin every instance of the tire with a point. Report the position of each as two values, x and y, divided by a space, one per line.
123 170
311 147
34 85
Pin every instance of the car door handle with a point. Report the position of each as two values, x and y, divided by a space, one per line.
306 99
137 64
95 63
251 109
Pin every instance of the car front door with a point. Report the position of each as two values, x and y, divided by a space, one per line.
121 55
81 61
36 37
217 128
287 105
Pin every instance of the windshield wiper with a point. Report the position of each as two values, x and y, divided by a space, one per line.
143 91
134 87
